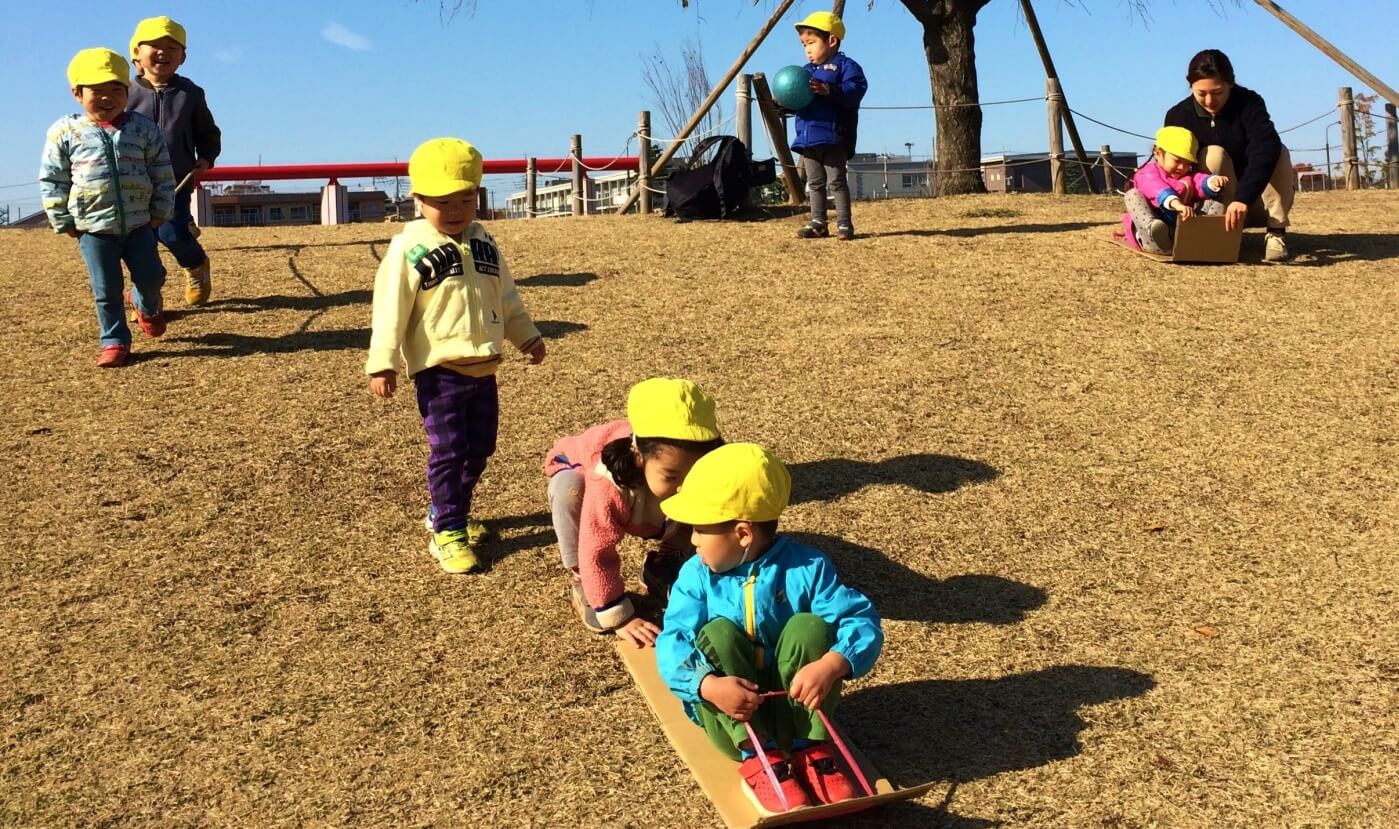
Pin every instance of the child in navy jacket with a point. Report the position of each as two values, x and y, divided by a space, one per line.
826 127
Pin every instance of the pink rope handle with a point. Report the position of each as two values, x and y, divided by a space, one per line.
844 750
767 766
835 738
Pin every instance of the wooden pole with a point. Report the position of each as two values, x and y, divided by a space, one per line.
1105 156
1056 136
713 96
1330 51
777 136
643 152
1349 162
838 8
531 187
1064 113
576 155
1391 153
744 118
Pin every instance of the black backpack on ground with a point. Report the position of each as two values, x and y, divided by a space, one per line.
713 189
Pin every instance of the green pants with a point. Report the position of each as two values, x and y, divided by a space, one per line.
805 639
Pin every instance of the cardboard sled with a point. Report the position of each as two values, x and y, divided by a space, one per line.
718 775
1201 239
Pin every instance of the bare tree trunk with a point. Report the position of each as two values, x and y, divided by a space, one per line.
950 46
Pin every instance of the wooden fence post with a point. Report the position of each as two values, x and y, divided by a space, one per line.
1056 137
777 136
643 153
1391 152
579 197
1349 164
531 187
1105 156
745 111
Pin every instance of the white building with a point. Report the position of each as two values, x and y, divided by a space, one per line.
603 194
883 176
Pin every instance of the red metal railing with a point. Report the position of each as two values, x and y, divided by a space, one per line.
387 169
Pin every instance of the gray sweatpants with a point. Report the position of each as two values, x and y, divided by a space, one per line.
566 505
826 163
1143 214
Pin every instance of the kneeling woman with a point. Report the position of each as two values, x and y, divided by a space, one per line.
1240 142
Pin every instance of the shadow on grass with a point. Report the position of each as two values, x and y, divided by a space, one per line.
902 593
1321 250
827 480
221 344
540 534
556 280
972 232
967 729
295 247
276 302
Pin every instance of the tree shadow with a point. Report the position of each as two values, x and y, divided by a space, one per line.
557 280
967 729
1322 250
220 344
829 479
970 232
295 247
901 593
278 302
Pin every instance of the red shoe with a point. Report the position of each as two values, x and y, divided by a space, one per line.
759 788
823 772
113 356
153 326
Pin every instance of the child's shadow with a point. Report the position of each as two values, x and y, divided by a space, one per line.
901 593
829 479
966 729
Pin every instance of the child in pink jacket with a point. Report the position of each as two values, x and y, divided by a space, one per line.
608 482
1165 187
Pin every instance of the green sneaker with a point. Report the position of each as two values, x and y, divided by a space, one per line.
452 549
476 532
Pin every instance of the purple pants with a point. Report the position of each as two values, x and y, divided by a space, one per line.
461 415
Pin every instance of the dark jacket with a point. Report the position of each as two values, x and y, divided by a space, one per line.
833 118
1243 129
183 115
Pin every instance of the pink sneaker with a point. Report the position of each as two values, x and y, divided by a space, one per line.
758 786
823 772
113 356
153 326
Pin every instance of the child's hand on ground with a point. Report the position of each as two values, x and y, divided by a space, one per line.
536 352
734 695
820 87
638 632
814 681
383 383
1218 183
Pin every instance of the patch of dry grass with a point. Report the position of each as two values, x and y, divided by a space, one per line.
1132 525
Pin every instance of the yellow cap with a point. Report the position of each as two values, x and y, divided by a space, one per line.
444 166
663 407
1179 142
825 22
91 67
736 482
154 28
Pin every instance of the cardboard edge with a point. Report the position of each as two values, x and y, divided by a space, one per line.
716 774
1155 257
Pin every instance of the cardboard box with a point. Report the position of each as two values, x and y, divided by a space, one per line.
718 775
1201 239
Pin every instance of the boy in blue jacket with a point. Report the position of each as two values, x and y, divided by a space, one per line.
179 107
826 127
106 181
753 611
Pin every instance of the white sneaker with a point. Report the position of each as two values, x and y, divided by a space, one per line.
1274 247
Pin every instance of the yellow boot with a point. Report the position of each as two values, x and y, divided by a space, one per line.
197 285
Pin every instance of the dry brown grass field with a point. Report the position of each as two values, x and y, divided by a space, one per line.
1132 527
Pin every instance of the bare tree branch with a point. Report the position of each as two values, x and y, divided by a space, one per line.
678 92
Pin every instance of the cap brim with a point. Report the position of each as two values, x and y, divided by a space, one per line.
691 510
445 189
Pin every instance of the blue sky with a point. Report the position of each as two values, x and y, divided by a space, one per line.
367 80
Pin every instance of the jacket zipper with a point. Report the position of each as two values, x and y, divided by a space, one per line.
116 177
750 617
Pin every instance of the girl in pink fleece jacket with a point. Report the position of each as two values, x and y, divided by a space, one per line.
608 482
1166 187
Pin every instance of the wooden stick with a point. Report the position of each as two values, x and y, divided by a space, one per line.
709 101
643 152
1330 51
1065 115
777 137
1350 164
184 181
